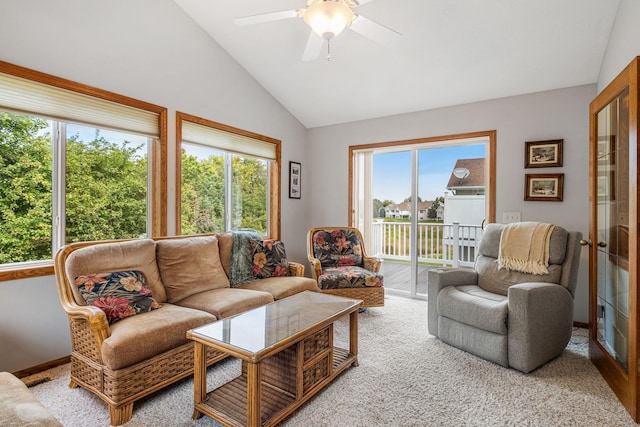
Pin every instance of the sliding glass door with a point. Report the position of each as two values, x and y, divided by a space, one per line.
422 205
392 228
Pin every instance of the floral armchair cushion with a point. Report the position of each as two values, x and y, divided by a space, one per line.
349 277
337 248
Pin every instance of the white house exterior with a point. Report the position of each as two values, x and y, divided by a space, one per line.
466 200
403 210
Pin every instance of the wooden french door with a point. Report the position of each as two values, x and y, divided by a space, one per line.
613 256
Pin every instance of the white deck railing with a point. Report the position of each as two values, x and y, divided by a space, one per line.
441 244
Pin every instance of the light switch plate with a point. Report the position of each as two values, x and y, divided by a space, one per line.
509 217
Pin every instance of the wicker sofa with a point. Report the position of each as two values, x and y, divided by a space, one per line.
188 281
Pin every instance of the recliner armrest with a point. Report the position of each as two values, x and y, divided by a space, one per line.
540 323
439 278
452 277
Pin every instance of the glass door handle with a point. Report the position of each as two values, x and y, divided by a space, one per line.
587 242
602 244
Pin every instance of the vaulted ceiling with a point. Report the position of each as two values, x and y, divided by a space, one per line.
450 52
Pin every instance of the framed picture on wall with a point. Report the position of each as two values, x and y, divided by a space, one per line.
543 154
544 187
295 173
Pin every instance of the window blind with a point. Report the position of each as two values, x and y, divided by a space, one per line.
227 141
30 97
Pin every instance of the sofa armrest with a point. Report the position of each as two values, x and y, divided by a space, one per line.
88 324
296 269
90 328
371 264
540 323
93 315
439 278
316 268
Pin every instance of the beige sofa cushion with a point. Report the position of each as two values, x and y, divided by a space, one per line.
189 266
141 337
225 302
225 244
282 287
117 256
18 407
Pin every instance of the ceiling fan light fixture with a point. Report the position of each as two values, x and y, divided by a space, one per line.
328 18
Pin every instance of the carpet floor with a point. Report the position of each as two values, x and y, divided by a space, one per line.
406 378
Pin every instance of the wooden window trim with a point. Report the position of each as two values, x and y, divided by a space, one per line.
275 170
158 159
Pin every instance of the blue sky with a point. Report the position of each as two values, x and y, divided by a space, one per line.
88 133
392 171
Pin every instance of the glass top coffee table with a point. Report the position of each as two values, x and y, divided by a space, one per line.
287 354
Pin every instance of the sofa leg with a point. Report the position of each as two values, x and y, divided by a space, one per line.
73 384
121 414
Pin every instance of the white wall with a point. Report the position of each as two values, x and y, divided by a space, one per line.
557 114
624 42
33 327
152 51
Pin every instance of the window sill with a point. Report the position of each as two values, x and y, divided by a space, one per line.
26 270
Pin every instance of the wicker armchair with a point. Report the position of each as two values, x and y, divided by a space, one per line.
340 265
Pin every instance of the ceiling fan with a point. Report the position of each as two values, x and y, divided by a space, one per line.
327 18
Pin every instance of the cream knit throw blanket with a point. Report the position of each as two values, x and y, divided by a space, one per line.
524 246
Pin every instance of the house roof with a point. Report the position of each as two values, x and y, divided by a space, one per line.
449 53
476 174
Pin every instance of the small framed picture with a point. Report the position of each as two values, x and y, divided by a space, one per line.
295 174
543 187
543 154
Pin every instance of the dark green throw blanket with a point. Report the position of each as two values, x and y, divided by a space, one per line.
241 268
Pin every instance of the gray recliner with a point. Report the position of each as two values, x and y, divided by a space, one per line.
514 319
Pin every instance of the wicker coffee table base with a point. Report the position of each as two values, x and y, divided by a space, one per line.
269 390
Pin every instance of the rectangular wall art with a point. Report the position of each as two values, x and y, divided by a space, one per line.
294 180
544 187
543 154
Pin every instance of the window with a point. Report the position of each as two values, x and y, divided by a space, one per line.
227 178
76 164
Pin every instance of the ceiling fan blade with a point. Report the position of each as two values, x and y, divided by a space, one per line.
266 17
361 2
313 48
374 31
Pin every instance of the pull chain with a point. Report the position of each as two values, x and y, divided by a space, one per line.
328 49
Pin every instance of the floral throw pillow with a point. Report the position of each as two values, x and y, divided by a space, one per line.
119 294
269 258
